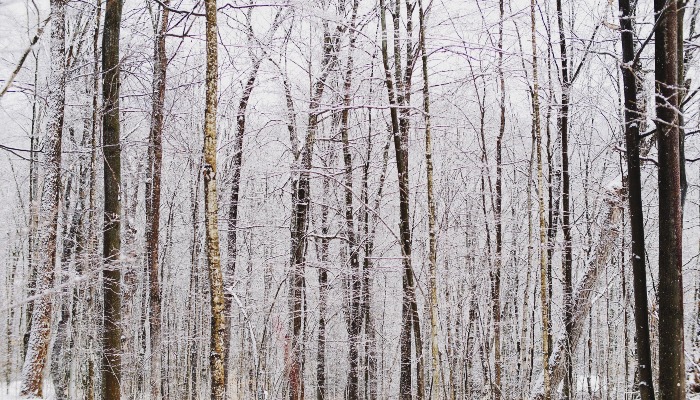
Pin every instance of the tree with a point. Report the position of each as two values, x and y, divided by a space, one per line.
636 213
432 246
353 307
398 85
211 209
301 188
537 131
153 190
671 356
111 148
40 333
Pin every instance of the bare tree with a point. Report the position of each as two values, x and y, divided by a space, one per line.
111 148
40 333
671 356
633 119
153 191
211 209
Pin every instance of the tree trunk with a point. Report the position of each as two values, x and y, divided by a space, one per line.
567 258
40 333
323 288
211 207
153 184
496 273
432 234
398 97
633 119
33 211
112 330
353 309
300 207
540 190
671 357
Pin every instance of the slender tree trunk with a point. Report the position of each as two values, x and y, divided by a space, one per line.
300 207
369 320
636 213
671 356
399 126
353 309
540 189
323 288
153 185
496 273
681 6
33 210
61 357
211 207
40 333
567 258
92 259
432 234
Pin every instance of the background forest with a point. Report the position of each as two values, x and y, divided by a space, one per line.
349 199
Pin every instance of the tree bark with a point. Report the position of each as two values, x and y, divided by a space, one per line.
112 330
153 190
544 300
567 258
40 333
671 356
432 234
353 309
633 119
300 207
496 273
211 207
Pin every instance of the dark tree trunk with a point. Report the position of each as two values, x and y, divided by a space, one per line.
112 331
636 214
353 308
300 207
671 356
155 161
567 258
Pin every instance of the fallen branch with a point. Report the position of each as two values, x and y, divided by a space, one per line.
582 295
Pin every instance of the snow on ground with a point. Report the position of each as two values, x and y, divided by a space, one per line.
12 392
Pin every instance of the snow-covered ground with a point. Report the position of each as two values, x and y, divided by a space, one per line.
12 392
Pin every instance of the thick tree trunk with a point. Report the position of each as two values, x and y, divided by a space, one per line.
112 330
671 356
40 333
633 119
211 208
153 184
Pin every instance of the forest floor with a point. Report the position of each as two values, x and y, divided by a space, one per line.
12 392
